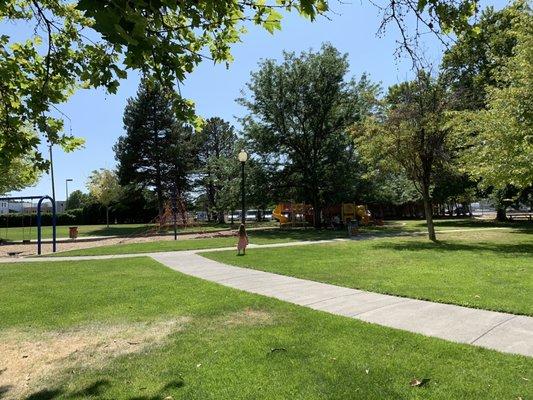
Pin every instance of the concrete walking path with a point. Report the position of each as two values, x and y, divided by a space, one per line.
504 332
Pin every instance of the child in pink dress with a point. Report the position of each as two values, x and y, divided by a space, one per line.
243 240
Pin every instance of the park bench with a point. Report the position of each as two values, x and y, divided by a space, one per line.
521 216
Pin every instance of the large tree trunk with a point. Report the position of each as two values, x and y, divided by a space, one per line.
316 209
316 217
501 214
428 211
107 216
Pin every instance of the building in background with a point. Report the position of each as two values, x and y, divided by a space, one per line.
13 206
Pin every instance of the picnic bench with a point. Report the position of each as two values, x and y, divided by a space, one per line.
527 216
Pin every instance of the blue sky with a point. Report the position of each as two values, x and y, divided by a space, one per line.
97 116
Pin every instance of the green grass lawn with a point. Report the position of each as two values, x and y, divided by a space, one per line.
282 235
256 237
19 233
490 269
229 345
419 225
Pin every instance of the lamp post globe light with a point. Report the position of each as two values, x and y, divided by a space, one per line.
242 157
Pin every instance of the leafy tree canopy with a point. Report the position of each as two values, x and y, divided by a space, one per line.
299 114
78 199
410 135
500 149
87 43
18 174
469 66
104 186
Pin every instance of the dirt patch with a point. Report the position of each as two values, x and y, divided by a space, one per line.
29 361
248 317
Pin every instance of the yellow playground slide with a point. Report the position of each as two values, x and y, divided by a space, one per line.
277 213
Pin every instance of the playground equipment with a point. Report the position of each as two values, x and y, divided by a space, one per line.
347 212
293 213
174 215
40 199
301 214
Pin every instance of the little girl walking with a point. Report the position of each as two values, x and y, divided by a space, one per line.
243 240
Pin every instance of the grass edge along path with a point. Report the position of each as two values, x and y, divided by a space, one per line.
493 274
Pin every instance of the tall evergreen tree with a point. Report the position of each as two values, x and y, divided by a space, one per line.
217 160
157 151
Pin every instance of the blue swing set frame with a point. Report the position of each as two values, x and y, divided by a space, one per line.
39 204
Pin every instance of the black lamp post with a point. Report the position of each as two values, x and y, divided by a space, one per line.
243 157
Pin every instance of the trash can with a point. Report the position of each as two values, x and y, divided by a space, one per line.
73 232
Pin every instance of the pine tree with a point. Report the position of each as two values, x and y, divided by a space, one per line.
157 151
217 156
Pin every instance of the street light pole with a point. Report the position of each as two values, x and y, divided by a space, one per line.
66 191
243 157
243 201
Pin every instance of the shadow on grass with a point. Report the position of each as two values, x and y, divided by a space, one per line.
4 389
503 248
97 389
476 223
151 229
118 231
45 394
298 234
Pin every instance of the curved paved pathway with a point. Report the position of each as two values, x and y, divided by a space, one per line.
504 332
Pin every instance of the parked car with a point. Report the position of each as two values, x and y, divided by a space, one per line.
235 216
267 216
201 216
252 215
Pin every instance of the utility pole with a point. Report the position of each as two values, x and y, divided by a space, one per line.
66 192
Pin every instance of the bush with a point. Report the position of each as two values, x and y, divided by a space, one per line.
91 214
25 219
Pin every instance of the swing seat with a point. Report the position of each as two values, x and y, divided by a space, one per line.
13 253
26 241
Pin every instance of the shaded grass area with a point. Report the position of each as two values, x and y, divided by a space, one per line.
256 237
19 233
485 269
419 225
295 353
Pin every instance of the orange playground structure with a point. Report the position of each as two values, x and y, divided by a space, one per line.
293 213
348 212
302 214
